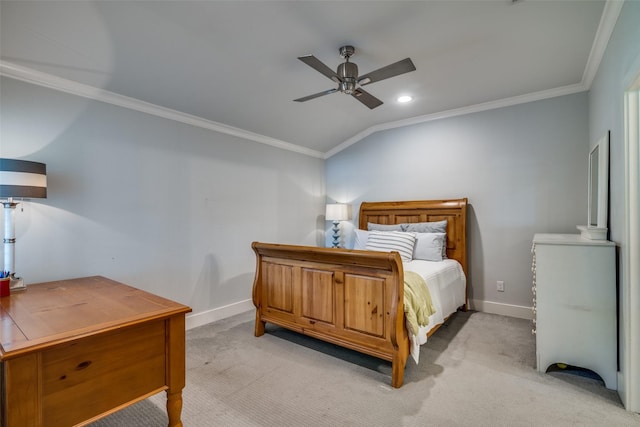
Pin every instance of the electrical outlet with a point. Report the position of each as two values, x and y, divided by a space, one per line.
500 286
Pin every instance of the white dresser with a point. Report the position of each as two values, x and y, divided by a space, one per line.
574 303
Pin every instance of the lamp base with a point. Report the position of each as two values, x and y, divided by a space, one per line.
336 234
17 284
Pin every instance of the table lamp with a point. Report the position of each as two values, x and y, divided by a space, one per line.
18 179
336 212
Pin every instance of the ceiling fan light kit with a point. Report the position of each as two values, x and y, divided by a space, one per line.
348 80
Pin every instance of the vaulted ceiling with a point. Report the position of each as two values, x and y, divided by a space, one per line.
232 65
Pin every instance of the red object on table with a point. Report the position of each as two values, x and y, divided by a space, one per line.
4 286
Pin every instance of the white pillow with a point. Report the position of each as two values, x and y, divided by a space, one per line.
429 246
360 242
386 241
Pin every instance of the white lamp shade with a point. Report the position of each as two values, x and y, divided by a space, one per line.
337 212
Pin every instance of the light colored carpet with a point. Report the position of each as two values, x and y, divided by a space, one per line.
478 370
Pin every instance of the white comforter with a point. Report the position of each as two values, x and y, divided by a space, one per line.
447 283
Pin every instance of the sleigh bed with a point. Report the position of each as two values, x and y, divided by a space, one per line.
355 298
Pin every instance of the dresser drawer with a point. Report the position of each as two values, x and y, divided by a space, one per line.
89 377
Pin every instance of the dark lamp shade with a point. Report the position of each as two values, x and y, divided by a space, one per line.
22 178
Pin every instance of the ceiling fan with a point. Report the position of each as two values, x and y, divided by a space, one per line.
348 80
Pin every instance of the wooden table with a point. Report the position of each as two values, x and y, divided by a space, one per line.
74 351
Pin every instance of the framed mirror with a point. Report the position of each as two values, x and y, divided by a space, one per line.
598 198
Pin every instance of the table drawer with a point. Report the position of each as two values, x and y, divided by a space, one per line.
91 376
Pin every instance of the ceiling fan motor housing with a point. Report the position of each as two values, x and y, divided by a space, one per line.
348 73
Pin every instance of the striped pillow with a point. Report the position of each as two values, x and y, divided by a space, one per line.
386 241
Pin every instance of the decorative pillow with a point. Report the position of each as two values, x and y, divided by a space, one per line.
426 227
429 246
360 242
429 227
386 241
384 227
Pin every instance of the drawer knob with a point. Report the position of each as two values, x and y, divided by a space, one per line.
83 365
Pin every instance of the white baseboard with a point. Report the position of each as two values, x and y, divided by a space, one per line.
519 311
198 319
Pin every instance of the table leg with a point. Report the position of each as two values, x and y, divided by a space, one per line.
22 394
174 408
176 368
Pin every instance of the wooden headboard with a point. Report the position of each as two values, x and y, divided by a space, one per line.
454 211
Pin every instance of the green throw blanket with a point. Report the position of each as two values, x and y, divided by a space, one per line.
417 301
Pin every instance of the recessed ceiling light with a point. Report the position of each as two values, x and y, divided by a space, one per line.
405 98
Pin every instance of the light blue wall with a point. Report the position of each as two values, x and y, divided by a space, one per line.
157 204
523 168
619 67
620 64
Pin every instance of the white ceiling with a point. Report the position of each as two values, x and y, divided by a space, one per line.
233 64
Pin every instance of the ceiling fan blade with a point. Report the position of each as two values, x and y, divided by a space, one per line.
366 98
392 70
317 65
316 95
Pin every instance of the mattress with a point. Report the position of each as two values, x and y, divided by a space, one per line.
447 284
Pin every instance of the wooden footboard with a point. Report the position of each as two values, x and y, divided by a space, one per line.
347 297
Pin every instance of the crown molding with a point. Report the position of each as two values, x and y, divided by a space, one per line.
608 21
29 75
491 105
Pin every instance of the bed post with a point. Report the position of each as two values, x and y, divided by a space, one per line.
399 337
397 370
257 292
